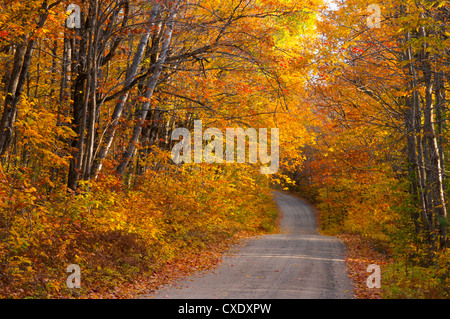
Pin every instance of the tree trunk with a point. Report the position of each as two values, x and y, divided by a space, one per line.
19 73
80 94
151 84
129 77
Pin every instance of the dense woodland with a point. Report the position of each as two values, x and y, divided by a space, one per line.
89 99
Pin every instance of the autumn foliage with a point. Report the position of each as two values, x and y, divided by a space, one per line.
86 174
377 171
86 117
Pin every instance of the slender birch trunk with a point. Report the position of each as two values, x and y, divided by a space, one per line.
131 73
151 84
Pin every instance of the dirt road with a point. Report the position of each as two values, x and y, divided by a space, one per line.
296 263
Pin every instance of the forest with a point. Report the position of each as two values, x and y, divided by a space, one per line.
93 93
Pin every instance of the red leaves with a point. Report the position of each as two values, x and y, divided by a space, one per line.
4 34
357 50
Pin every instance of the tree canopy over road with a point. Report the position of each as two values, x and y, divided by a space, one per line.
91 92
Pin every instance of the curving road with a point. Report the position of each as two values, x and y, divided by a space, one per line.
297 263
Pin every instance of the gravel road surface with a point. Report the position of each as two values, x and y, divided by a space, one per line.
296 263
